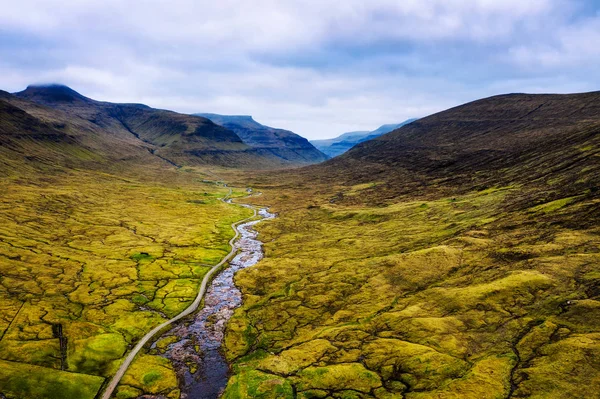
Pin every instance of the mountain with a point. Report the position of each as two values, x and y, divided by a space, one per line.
286 145
455 257
34 136
178 139
339 145
497 140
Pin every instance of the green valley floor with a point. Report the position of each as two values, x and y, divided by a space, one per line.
89 262
492 293
487 293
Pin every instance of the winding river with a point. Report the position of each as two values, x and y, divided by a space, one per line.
201 368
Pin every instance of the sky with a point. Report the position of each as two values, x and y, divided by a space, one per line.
317 67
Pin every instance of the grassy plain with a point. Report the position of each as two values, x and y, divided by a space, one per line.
491 293
89 262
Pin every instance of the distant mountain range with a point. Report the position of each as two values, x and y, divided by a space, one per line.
284 144
339 145
54 124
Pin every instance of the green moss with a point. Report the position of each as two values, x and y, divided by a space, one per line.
437 297
553 206
163 343
421 366
95 353
338 377
42 353
151 374
489 378
142 256
105 257
18 381
125 392
576 357
298 357
256 384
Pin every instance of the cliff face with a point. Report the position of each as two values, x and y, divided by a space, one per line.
288 146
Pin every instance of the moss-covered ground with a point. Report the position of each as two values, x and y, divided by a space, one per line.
89 262
494 293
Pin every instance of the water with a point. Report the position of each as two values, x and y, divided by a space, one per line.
196 356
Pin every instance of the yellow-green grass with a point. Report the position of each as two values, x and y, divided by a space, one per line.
96 261
149 374
21 381
466 296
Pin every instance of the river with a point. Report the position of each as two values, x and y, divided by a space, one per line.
196 355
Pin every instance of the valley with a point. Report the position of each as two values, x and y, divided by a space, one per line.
454 257
300 199
341 144
107 259
426 297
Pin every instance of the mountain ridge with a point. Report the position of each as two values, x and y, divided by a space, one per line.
283 143
495 136
176 138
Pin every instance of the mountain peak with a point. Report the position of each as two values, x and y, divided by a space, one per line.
232 119
51 93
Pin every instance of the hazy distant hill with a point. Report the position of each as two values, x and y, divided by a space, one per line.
339 145
179 139
288 146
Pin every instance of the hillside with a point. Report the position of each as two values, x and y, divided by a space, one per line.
498 140
37 137
288 146
339 145
456 257
178 139
101 238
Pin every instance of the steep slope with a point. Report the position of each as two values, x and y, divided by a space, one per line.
339 145
456 257
288 146
497 140
177 138
34 136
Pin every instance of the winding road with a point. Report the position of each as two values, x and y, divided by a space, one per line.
189 310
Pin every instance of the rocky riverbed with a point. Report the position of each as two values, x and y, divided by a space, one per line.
195 351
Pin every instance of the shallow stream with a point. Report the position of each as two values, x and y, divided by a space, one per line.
200 366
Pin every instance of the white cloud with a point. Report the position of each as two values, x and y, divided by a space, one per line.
315 67
567 46
274 24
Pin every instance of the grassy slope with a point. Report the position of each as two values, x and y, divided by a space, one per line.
106 258
177 138
457 280
99 242
473 274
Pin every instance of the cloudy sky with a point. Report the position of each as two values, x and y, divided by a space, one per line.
317 67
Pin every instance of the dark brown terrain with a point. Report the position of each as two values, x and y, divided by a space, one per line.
516 138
